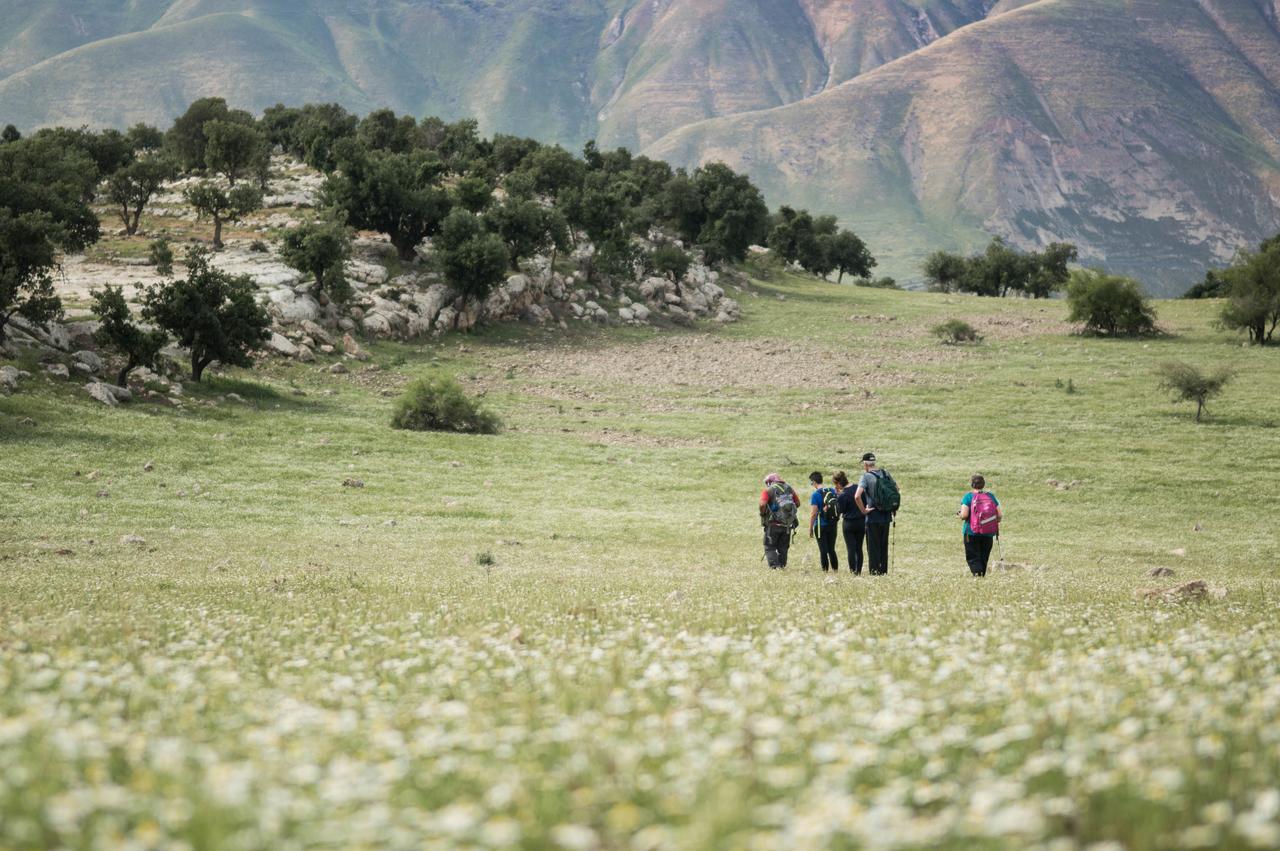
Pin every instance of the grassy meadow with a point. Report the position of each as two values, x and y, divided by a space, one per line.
564 636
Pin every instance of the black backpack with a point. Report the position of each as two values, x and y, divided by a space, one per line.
830 510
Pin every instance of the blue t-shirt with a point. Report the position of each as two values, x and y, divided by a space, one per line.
967 499
816 499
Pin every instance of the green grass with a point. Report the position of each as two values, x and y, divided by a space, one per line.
568 639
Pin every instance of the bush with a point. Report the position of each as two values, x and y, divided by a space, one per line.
956 331
1189 384
670 262
439 404
1109 305
1253 293
161 255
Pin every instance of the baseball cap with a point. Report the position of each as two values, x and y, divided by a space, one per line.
870 456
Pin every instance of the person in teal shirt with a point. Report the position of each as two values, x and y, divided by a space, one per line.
980 512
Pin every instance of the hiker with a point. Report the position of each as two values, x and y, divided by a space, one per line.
779 505
981 514
854 526
823 515
878 499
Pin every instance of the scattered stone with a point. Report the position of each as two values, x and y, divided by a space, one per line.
1196 589
235 397
338 369
1197 528
390 523
133 540
281 344
1180 552
103 494
9 378
305 355
352 483
57 370
149 466
1160 571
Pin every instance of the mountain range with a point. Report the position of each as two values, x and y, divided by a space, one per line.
1145 131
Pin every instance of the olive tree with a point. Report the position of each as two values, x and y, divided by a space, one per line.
211 313
212 201
118 332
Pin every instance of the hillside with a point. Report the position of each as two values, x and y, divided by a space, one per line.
1147 132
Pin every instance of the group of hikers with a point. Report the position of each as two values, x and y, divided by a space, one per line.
865 512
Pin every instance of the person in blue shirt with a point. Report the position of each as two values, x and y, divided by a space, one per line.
980 512
821 526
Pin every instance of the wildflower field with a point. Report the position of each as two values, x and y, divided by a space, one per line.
564 636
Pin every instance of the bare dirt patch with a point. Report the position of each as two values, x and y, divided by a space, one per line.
707 362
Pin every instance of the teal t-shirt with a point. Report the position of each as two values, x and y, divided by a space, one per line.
967 499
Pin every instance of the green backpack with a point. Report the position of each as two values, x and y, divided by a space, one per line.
887 497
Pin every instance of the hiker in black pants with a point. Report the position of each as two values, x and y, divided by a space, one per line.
877 519
823 515
980 512
779 504
854 525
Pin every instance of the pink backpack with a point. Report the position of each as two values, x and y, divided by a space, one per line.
984 518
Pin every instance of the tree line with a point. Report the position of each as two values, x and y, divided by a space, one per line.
486 204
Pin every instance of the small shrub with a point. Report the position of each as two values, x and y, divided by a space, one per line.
1189 384
1070 386
258 246
485 559
1109 305
160 254
670 262
956 331
439 404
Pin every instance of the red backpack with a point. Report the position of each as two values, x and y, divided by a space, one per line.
984 516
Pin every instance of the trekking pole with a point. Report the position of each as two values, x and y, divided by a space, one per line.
1000 541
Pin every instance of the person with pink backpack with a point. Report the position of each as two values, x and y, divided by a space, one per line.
980 511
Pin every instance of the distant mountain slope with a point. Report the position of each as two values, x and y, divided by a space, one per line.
624 71
1146 131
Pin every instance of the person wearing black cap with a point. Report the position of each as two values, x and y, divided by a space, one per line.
877 519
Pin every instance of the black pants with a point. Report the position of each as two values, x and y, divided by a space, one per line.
826 536
854 532
877 548
977 551
777 541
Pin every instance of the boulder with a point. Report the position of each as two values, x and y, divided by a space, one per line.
352 348
305 354
378 324
89 359
536 314
338 369
9 376
640 312
291 308
281 345
1160 571
364 272
81 333
446 319
316 333
58 370
625 314
102 392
